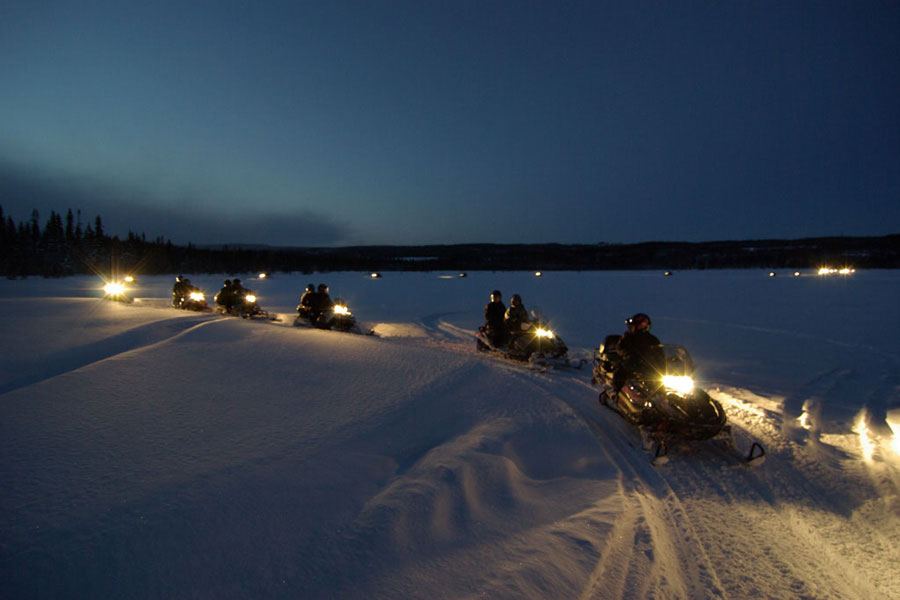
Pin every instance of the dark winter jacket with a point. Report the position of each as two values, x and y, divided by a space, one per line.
225 297
515 316
322 302
641 352
307 299
493 314
179 292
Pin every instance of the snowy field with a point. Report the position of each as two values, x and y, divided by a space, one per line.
147 452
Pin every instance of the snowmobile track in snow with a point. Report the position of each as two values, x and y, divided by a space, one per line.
705 497
82 356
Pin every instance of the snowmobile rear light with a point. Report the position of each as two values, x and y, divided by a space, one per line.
681 384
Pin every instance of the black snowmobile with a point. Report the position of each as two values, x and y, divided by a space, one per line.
668 407
338 317
193 300
536 344
245 306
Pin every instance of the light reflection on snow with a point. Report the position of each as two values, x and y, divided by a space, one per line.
895 442
867 444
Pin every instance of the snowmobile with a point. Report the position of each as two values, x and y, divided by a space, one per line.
246 307
116 291
195 300
535 344
668 407
338 317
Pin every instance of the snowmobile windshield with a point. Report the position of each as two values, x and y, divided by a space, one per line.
537 315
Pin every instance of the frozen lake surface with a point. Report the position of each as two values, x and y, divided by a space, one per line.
151 453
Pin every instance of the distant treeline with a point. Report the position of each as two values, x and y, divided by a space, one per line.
64 245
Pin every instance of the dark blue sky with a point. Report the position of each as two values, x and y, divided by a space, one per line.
333 123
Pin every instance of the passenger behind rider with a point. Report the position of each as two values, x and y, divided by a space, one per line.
516 318
226 297
640 350
306 301
494 312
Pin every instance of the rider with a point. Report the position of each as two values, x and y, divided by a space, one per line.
321 302
180 290
493 316
516 316
240 292
226 296
641 351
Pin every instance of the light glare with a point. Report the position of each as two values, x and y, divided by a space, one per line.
114 289
682 384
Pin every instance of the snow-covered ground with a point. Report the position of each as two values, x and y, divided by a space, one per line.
151 453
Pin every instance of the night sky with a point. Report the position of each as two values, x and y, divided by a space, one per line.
394 122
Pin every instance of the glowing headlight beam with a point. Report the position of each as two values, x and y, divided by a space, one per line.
340 309
196 296
681 384
250 298
114 289
866 443
544 333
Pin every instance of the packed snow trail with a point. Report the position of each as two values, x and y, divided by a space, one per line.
715 517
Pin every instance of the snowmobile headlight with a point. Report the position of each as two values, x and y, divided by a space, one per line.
544 333
114 289
129 278
681 384
250 298
340 309
197 296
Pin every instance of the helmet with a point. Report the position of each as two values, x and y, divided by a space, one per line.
639 322
310 288
323 289
178 278
516 299
237 283
496 296
227 283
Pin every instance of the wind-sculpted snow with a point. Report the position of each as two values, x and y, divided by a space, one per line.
74 334
151 453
